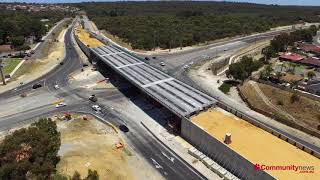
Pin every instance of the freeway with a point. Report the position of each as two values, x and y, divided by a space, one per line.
16 110
59 75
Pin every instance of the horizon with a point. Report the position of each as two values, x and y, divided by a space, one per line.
266 2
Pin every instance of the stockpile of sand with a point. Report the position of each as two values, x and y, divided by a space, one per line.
90 144
257 145
85 38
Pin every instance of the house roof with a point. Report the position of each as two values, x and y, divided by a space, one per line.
292 57
5 48
311 61
310 48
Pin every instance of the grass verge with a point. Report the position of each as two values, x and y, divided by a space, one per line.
10 64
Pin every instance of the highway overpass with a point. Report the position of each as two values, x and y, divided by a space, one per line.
180 98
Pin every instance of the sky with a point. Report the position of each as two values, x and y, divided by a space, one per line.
280 2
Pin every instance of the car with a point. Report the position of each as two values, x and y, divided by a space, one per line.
61 63
84 65
56 86
36 86
154 57
96 108
123 128
59 105
146 58
162 64
93 98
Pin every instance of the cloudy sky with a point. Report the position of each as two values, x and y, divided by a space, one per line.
281 2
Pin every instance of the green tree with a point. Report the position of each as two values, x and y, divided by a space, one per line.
17 41
30 151
311 74
76 176
92 175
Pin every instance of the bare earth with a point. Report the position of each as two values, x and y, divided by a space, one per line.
305 112
90 144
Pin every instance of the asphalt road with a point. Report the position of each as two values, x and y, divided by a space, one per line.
138 137
176 61
59 75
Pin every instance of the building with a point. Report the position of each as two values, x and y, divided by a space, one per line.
312 87
310 48
5 48
292 57
312 61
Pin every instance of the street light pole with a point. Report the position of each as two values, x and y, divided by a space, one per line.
1 73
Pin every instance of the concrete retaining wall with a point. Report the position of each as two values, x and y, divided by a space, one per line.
220 153
268 129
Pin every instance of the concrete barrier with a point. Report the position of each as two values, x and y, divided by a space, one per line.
316 154
292 142
283 137
308 150
276 134
300 146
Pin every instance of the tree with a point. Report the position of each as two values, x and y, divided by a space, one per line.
17 41
268 52
76 176
92 175
294 97
184 24
30 151
243 69
311 74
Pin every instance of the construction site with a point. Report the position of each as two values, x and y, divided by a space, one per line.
87 143
196 117
255 144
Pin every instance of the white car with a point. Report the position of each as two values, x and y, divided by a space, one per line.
96 107
60 105
162 64
56 86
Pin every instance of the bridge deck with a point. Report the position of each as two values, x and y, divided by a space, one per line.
179 97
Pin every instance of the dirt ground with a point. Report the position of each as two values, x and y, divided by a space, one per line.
306 111
90 144
257 145
87 39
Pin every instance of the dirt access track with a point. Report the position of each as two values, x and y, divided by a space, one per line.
257 145
91 144
305 111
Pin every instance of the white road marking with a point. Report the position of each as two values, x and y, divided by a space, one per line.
157 165
170 158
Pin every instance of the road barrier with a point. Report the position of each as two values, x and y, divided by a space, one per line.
210 164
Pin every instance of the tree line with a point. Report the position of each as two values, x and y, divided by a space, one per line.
146 25
16 26
281 42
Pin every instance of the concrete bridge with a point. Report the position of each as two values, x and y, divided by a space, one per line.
180 98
